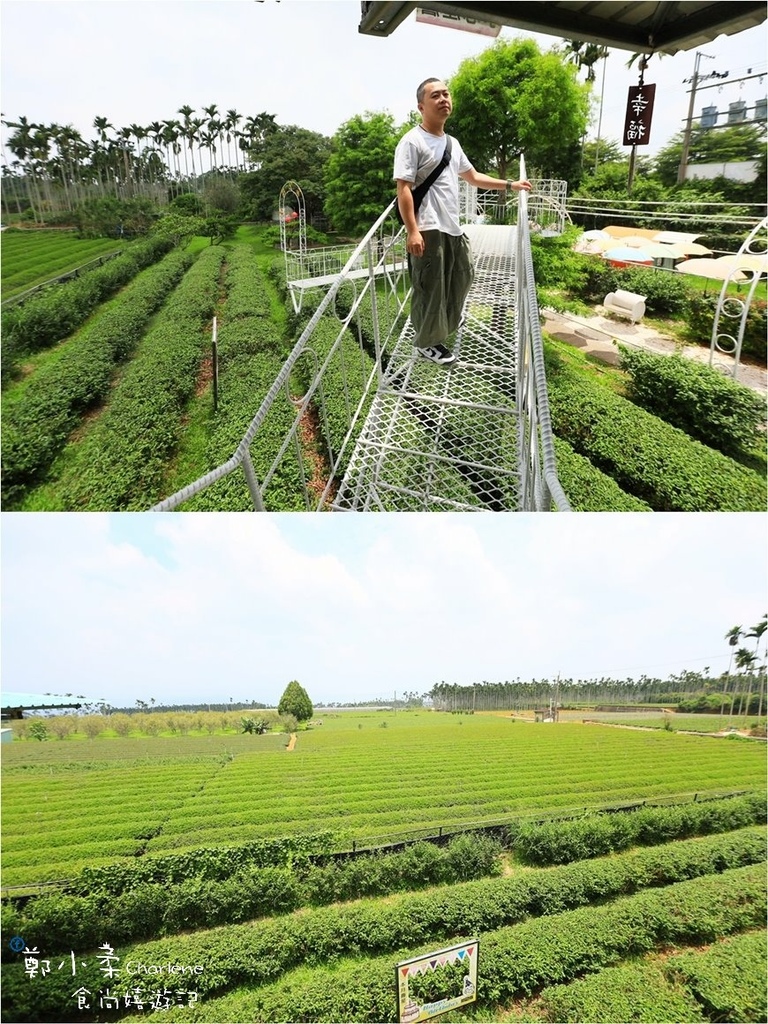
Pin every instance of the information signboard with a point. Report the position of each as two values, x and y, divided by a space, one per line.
436 982
428 16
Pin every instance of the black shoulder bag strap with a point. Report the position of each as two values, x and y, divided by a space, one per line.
421 190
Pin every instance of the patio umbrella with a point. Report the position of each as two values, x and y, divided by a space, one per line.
712 269
693 249
593 245
746 261
624 254
655 250
595 233
635 241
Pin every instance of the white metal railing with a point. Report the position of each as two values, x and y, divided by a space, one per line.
540 487
497 449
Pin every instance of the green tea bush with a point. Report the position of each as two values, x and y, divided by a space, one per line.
347 370
38 418
251 355
647 457
122 459
628 992
209 863
561 842
698 399
57 311
587 488
516 959
728 979
215 887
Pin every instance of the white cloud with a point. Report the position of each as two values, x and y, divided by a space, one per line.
305 62
196 607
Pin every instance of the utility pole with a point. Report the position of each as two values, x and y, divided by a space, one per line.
689 120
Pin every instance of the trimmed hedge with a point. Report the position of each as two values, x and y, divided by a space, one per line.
698 399
57 311
250 358
515 961
594 835
587 488
38 417
122 460
150 909
635 992
343 384
262 951
728 979
646 457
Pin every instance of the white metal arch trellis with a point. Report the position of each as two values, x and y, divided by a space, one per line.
732 311
293 228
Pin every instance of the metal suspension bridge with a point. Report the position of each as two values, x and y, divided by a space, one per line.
399 433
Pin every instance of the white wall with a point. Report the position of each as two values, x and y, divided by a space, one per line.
744 170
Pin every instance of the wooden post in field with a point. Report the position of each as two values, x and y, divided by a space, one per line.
215 362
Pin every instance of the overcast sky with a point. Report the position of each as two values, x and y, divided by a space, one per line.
196 608
305 62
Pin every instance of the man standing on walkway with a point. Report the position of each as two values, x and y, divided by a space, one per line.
439 256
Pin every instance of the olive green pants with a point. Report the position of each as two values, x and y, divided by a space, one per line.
441 280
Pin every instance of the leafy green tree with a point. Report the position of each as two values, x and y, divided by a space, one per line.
179 227
285 154
38 731
711 145
609 151
359 176
295 701
513 98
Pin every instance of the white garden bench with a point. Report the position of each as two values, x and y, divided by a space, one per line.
625 304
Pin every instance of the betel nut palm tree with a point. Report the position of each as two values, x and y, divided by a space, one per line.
732 636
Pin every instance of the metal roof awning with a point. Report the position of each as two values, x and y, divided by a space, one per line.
13 705
639 27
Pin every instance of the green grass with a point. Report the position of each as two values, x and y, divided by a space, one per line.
661 720
30 258
422 772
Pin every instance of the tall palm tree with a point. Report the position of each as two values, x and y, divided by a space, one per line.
171 135
215 130
22 144
584 55
185 132
732 636
745 660
138 132
757 633
230 125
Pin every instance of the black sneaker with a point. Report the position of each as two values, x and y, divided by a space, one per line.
437 354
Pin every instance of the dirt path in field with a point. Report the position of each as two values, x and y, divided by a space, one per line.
597 336
685 732
291 742
311 445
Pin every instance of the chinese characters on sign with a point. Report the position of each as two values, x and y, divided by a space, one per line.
637 123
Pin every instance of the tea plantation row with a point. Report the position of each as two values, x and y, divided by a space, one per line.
612 454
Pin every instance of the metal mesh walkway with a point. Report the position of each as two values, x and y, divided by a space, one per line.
391 431
446 438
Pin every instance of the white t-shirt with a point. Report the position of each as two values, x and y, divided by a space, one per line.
416 156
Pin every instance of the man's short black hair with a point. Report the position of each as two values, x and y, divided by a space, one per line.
421 89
